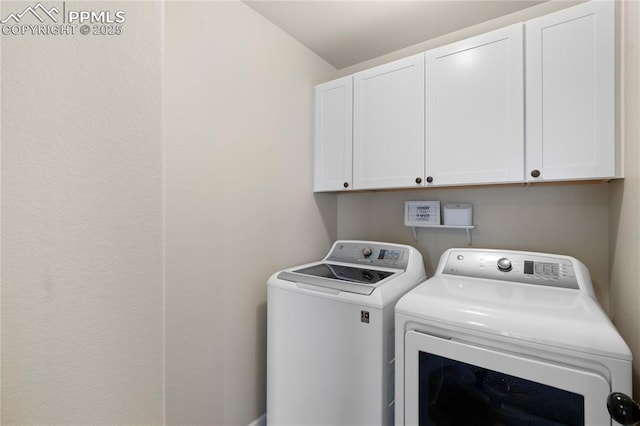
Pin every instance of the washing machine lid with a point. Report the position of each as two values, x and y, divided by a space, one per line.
342 277
552 316
360 267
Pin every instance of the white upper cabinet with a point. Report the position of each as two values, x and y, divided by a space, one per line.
531 102
388 125
570 94
333 142
475 110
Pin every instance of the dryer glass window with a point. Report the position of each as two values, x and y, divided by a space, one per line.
453 393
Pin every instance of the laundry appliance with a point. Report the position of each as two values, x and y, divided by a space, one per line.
330 338
501 337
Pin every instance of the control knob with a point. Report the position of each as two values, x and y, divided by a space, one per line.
623 409
504 264
367 252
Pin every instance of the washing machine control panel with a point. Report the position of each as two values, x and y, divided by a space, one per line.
521 267
368 253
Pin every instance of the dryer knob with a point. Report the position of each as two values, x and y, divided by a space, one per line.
623 409
367 252
504 264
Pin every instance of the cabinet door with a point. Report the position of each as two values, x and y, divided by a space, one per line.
475 117
570 94
333 143
388 133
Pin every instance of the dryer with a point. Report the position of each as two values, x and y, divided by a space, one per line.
330 338
506 337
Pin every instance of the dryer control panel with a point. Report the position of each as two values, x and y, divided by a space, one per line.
523 267
370 253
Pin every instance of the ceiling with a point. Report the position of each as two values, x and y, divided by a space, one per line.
346 32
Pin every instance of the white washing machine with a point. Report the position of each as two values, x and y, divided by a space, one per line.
506 338
330 339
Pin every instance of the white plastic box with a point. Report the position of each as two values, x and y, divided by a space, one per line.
458 214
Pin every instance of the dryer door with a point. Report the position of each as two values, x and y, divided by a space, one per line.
453 383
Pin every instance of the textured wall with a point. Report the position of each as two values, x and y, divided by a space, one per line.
82 277
238 137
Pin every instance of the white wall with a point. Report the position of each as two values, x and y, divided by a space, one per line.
238 164
82 276
625 203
